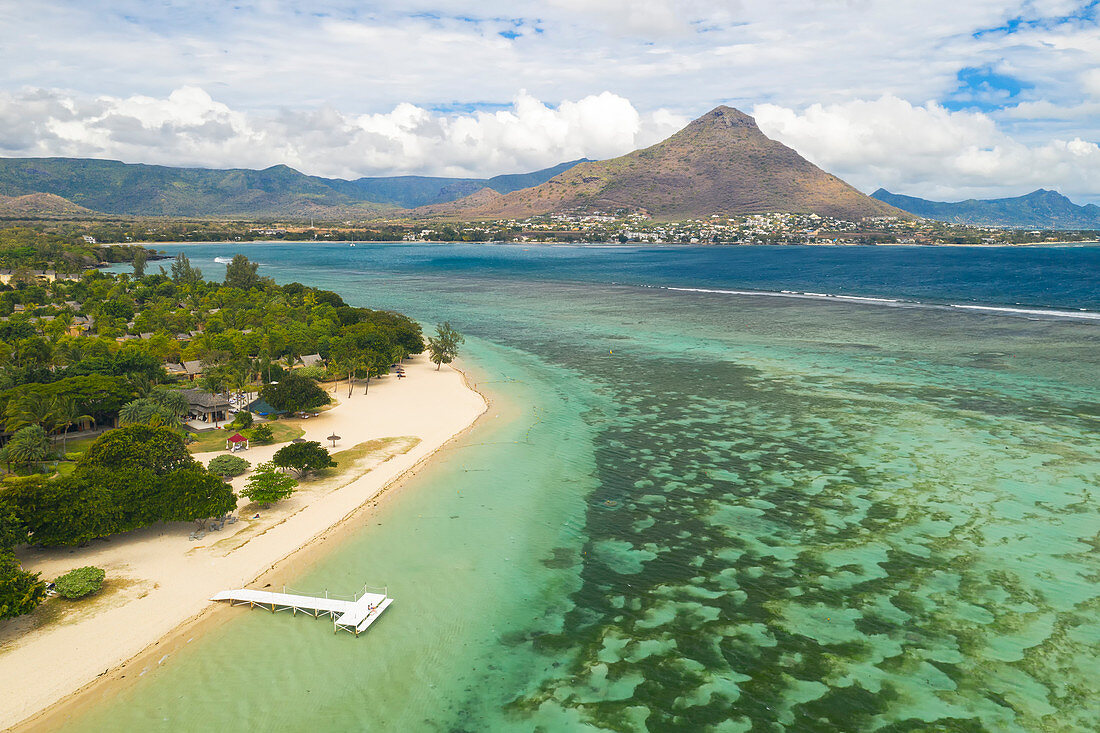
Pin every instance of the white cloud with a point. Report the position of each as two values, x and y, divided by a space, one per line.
188 127
929 151
1090 81
341 86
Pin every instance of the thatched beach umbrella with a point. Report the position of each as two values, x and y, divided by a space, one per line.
334 437
298 440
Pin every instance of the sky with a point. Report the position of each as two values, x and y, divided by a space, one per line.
945 100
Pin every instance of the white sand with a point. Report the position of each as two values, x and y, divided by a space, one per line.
167 579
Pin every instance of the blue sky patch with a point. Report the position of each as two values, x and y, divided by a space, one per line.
984 89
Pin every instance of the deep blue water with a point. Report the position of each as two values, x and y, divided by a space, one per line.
1049 277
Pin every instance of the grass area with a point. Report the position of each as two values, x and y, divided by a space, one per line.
213 440
357 461
78 445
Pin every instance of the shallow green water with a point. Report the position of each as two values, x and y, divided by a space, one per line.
711 512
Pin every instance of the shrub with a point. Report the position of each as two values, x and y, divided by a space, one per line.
228 466
242 421
262 434
80 582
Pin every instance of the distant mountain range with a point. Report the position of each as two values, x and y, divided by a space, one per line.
77 185
719 164
1039 209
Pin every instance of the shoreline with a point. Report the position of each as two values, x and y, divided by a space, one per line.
382 482
632 245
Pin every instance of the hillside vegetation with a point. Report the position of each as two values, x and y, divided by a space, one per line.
1039 209
78 186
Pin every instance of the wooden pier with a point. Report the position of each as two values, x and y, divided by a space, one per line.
353 615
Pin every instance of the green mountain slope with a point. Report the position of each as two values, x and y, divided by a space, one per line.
412 191
152 190
719 164
1038 209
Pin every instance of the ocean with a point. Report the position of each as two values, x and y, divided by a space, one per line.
721 488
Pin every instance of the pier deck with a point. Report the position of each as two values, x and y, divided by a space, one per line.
353 615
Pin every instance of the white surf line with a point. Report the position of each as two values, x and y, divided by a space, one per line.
1082 314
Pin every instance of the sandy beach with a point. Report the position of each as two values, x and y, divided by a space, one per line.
158 579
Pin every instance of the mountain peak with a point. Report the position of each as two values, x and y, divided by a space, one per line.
723 116
720 164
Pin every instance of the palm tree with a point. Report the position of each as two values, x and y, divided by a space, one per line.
28 445
135 411
140 383
29 408
215 381
355 363
237 377
171 399
66 414
72 351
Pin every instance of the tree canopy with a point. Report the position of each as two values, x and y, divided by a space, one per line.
20 591
267 485
158 449
443 347
295 393
303 457
240 273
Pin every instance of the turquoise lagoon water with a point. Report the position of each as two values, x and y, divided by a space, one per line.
705 511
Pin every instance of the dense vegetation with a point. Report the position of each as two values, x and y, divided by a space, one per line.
77 352
143 190
130 478
23 249
93 352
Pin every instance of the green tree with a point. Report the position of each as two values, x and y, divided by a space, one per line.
267 485
20 591
162 407
73 510
141 256
80 582
443 347
28 447
193 494
262 435
295 393
66 413
240 273
27 408
158 449
242 420
183 273
303 457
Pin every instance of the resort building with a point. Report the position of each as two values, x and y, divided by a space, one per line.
205 406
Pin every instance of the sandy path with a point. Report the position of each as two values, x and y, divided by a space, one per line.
160 579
